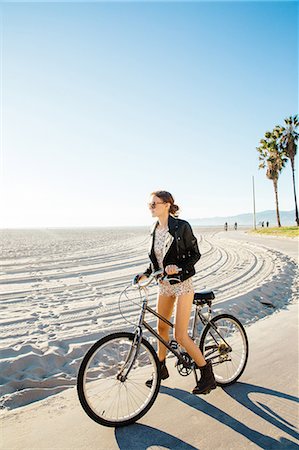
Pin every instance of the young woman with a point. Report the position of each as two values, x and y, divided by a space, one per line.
173 247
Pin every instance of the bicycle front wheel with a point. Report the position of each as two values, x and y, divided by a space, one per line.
108 397
225 343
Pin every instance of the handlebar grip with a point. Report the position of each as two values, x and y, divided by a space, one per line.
135 279
158 274
174 276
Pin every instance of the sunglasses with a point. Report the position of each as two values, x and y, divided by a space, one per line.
154 204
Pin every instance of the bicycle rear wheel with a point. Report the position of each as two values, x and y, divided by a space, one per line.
106 398
225 343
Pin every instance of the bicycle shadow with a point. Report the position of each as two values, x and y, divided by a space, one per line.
265 442
142 437
241 391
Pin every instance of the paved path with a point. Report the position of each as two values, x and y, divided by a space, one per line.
289 246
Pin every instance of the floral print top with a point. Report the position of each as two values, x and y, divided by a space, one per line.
165 288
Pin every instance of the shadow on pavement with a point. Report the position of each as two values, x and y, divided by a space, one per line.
265 442
241 392
141 437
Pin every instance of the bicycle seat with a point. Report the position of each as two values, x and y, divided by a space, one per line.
201 298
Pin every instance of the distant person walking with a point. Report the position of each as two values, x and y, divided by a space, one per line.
267 223
262 224
236 226
225 226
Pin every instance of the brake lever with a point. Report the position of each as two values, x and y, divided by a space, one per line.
174 275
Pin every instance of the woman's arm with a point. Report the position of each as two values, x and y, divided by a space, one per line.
192 254
141 276
148 271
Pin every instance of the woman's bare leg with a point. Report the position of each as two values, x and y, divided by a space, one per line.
164 307
183 311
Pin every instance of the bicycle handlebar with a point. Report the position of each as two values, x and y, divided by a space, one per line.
159 274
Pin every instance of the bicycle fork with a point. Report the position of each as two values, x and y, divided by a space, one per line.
131 356
133 352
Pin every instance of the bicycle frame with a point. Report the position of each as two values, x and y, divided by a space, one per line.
142 323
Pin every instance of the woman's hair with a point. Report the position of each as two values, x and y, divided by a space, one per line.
166 197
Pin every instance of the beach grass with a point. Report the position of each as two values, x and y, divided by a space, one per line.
276 231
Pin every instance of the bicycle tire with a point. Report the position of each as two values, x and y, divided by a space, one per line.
209 333
82 383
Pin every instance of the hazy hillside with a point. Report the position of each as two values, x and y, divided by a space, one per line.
286 218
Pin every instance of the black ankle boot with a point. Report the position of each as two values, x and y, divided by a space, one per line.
163 371
207 380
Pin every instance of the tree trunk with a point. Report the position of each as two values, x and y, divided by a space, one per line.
276 201
295 197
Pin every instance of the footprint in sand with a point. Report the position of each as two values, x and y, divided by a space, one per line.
29 321
54 316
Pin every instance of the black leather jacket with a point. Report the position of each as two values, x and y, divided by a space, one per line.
180 248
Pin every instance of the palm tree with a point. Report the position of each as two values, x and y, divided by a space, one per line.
272 157
288 142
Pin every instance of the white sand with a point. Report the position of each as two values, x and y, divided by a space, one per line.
56 303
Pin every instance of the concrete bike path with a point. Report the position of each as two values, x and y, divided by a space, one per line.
289 246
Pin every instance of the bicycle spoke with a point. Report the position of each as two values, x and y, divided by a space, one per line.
231 345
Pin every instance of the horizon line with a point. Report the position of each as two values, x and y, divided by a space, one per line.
36 227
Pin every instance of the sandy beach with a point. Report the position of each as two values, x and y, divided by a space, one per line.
59 294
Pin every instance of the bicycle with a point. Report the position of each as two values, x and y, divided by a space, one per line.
111 379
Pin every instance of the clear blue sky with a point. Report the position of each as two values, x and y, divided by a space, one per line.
104 102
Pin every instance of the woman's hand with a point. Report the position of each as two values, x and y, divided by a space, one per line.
172 269
139 277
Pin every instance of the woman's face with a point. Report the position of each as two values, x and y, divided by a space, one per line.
157 206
